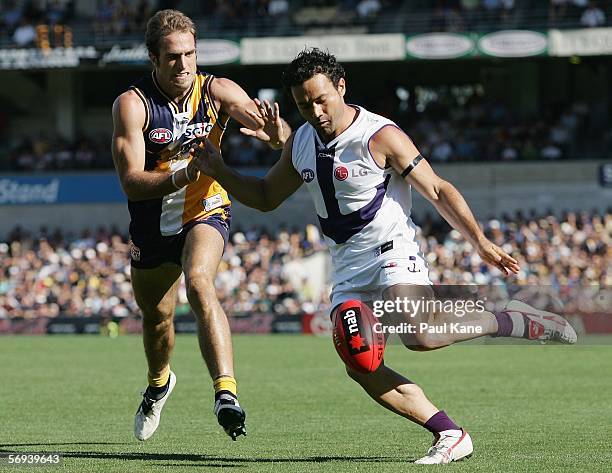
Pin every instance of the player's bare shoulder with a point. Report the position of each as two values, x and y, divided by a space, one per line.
390 145
226 91
128 111
223 85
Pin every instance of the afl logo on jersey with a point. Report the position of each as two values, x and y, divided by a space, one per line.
308 175
341 173
161 136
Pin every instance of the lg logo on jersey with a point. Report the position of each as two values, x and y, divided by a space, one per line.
341 173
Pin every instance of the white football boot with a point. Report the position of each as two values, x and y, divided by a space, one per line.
542 325
448 447
149 412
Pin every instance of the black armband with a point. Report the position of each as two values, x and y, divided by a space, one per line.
411 166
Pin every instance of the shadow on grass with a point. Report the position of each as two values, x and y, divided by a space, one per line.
193 459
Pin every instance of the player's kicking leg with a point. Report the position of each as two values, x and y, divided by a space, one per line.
201 256
401 396
398 394
517 319
155 292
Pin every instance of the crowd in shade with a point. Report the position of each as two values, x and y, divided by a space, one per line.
50 273
490 131
479 130
127 18
42 152
475 15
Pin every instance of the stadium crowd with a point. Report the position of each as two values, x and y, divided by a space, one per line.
20 19
490 131
42 152
49 273
479 130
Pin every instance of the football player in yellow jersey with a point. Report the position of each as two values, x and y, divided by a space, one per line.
194 245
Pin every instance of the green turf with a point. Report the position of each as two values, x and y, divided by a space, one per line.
528 408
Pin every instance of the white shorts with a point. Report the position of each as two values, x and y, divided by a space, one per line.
365 278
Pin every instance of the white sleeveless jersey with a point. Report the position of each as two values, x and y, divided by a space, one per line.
360 205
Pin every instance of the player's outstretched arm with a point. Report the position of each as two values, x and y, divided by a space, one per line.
259 119
265 194
128 148
392 146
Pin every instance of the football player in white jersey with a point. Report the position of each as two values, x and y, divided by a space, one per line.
359 168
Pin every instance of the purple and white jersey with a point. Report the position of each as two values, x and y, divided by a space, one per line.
360 205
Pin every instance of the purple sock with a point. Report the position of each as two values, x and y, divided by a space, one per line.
504 324
439 422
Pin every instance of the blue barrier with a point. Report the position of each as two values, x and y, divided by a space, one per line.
60 189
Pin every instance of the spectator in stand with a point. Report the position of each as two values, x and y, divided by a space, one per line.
141 16
551 151
12 16
123 18
368 9
593 16
84 155
56 12
557 10
25 34
492 9
278 8
54 274
105 13
507 10
470 10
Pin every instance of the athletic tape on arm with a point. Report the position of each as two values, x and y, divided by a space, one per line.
411 166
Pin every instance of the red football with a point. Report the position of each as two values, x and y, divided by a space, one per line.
358 344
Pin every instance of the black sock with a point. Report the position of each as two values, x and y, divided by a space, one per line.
157 393
218 394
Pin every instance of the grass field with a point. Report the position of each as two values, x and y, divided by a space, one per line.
528 408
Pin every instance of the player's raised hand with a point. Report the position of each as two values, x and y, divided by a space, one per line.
495 256
206 157
272 130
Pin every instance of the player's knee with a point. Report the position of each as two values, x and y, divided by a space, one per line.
157 317
421 342
410 390
200 290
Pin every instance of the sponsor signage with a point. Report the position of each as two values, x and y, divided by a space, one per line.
439 46
217 51
348 48
583 42
513 43
61 189
373 47
45 59
503 44
210 52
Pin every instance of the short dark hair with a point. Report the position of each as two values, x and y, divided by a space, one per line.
309 63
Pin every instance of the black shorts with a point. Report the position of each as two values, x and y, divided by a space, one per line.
150 253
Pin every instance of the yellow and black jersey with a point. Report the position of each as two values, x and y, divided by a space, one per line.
168 131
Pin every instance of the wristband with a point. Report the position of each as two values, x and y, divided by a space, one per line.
174 181
189 177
